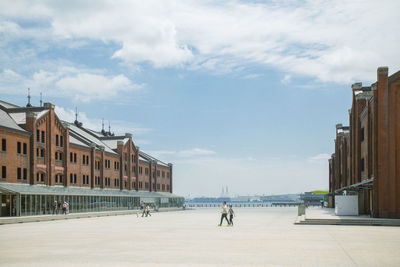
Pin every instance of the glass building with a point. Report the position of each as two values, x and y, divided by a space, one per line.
25 200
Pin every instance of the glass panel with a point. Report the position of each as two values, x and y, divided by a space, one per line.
23 205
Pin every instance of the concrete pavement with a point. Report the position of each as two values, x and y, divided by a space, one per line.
260 237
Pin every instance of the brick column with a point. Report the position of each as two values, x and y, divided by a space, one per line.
102 166
31 127
92 160
66 156
383 142
120 148
150 176
137 168
170 177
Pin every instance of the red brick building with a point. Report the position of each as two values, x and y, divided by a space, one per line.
44 159
366 161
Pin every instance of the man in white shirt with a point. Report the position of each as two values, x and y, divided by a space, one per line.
224 213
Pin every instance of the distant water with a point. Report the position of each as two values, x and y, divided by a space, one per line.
234 204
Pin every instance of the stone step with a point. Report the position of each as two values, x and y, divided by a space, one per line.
372 222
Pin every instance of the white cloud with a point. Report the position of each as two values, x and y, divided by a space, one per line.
188 153
339 41
81 84
323 156
286 80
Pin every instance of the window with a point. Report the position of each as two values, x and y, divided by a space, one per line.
37 177
362 134
158 173
362 165
60 155
42 177
163 187
87 160
74 178
158 186
83 159
42 136
71 157
154 186
56 155
3 144
24 149
146 185
163 174
37 136
19 147
25 173
146 171
3 172
167 174
71 178
140 184
56 139
61 141
19 173
167 187
42 153
140 170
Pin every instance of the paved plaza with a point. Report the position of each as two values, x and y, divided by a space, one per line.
260 237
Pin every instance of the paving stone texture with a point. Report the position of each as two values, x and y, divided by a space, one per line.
260 237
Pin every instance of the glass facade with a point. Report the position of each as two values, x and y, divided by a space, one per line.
26 205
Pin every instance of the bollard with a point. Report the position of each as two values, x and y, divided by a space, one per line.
301 210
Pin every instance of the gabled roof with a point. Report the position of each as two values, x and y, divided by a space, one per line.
151 158
7 121
81 136
8 105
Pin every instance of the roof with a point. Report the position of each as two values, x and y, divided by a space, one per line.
151 158
73 140
112 143
82 136
394 77
26 189
8 105
7 122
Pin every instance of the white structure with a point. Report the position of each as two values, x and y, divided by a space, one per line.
346 205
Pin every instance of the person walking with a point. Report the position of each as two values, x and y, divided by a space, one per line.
142 207
224 213
64 208
231 214
54 206
148 210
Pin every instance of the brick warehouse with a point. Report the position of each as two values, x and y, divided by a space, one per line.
366 161
44 159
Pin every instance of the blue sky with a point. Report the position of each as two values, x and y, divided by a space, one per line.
243 94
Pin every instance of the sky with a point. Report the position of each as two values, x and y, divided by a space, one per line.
244 94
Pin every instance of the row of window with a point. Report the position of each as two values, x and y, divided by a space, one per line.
40 177
58 155
40 137
59 140
85 179
58 179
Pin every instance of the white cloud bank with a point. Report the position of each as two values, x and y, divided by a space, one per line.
81 84
338 41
